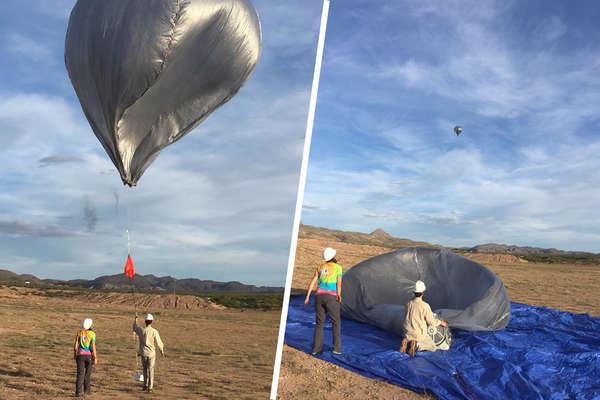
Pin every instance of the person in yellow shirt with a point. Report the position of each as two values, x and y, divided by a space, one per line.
149 340
328 299
418 317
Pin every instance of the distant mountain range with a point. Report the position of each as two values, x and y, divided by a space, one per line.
142 283
512 249
376 238
381 238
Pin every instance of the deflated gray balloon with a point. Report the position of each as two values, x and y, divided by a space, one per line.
147 72
459 290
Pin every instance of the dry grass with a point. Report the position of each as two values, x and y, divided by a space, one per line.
211 353
569 287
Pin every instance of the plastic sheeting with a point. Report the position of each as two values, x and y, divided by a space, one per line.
542 354
459 290
147 72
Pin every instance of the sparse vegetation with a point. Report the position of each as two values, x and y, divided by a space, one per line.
61 293
259 301
584 258
262 301
16 373
212 352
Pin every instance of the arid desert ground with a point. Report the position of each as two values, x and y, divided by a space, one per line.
211 352
568 287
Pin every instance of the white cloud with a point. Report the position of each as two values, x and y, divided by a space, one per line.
217 204
25 47
199 208
523 171
461 189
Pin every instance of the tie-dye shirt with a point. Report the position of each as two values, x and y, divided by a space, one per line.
85 338
328 275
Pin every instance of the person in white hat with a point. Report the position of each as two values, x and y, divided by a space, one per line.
418 317
84 352
149 337
328 299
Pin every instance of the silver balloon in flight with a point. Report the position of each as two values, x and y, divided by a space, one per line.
147 72
458 130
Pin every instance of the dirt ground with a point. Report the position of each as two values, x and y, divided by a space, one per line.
568 287
211 352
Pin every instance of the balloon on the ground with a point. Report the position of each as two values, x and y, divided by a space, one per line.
458 130
147 72
459 290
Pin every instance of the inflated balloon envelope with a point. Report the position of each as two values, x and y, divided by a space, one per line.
147 72
459 290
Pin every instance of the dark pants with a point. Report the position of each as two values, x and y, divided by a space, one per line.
326 304
84 374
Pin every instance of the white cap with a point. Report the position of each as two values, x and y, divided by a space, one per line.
87 323
328 253
148 317
420 287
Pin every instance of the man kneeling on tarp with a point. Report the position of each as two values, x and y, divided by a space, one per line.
418 317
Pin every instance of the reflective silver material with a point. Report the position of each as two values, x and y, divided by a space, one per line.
147 72
441 336
464 293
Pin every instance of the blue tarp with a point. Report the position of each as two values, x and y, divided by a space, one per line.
542 354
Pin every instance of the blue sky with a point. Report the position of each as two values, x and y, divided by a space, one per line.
216 205
522 78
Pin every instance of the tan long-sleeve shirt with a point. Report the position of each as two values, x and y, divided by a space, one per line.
418 317
148 337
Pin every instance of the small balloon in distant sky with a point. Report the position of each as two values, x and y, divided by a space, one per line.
458 130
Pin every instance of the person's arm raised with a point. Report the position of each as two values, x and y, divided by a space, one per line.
136 328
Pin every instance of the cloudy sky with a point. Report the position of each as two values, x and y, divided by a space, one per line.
522 78
216 205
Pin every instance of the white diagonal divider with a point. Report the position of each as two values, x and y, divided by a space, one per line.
300 196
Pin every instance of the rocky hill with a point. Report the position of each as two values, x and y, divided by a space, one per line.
11 277
378 237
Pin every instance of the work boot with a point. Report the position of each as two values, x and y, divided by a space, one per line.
403 345
412 348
